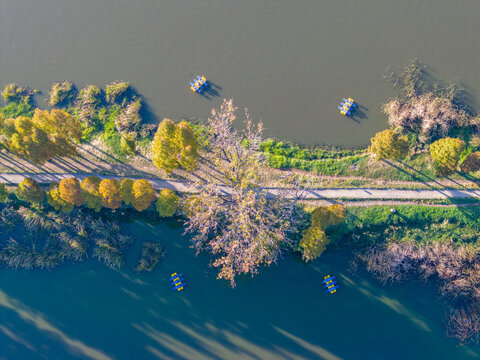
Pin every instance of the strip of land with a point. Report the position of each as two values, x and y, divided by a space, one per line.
313 194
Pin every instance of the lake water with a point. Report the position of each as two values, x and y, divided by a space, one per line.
289 62
87 311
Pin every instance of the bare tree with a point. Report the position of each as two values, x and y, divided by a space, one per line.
240 225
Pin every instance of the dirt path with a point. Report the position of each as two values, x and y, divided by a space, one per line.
313 194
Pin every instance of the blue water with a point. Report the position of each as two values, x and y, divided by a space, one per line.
87 311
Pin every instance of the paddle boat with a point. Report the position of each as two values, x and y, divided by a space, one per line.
347 106
177 282
330 284
198 84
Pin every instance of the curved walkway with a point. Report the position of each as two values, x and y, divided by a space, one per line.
183 186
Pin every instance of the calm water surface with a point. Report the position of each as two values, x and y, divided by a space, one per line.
288 61
86 311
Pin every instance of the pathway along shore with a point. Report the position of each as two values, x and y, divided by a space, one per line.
312 194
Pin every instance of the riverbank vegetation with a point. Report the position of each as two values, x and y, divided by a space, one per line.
44 232
439 244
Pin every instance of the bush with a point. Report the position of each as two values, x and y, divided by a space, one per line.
61 92
115 91
471 163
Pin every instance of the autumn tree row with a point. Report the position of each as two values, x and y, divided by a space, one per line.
94 193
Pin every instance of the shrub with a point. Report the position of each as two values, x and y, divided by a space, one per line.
61 92
471 163
115 91
16 93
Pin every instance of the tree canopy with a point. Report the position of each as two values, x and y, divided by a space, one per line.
42 137
314 240
91 195
446 154
167 203
388 144
143 194
174 146
246 229
70 191
110 192
55 200
29 191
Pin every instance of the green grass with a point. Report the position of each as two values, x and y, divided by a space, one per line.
367 225
17 108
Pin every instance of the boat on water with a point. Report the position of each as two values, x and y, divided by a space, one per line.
330 284
177 282
198 84
347 106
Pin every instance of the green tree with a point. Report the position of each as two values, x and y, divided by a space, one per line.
28 190
167 203
91 195
55 200
110 192
3 193
143 194
388 144
70 191
445 154
174 146
126 191
471 163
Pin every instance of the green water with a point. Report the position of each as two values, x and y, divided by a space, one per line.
289 62
87 311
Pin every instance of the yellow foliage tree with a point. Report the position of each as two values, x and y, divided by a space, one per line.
70 191
91 195
29 191
174 146
313 243
388 144
110 192
3 193
55 200
44 136
185 138
314 239
126 190
143 194
445 154
167 203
